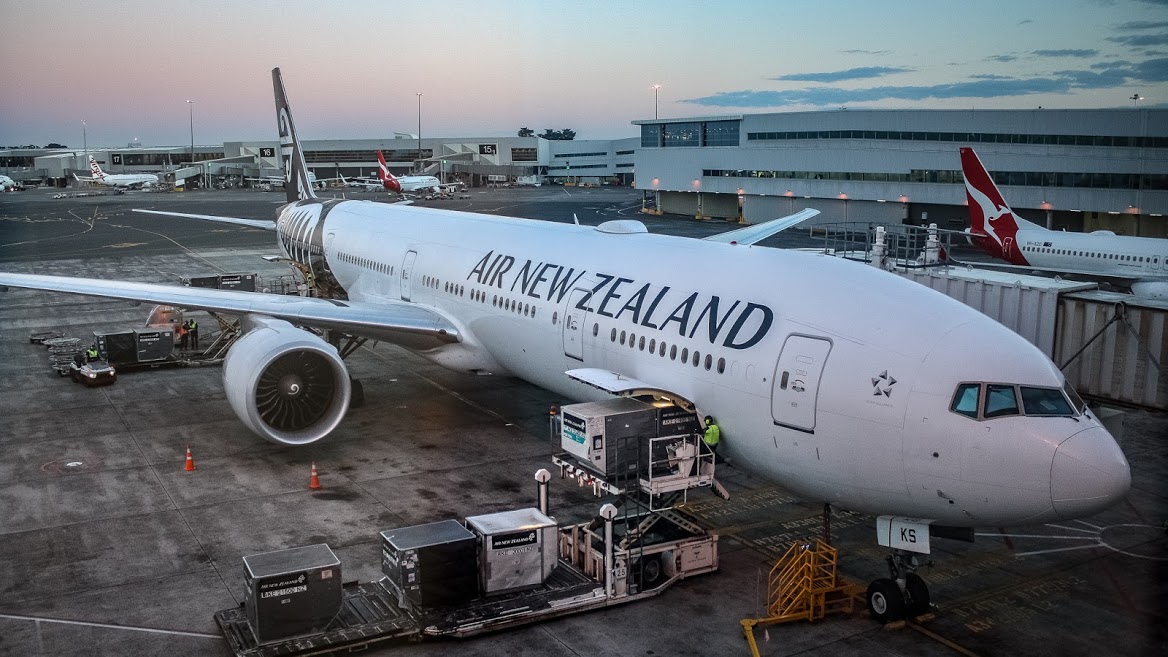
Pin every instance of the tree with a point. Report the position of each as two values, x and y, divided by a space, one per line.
55 145
567 134
526 132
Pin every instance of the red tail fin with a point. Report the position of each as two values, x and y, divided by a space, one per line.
993 225
387 179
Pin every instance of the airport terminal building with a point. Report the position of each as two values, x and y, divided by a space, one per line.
1074 169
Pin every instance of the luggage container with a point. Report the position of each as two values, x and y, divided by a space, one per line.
517 549
291 593
604 436
238 282
430 565
117 347
153 344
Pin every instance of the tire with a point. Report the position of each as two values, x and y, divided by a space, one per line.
651 572
885 601
918 594
73 375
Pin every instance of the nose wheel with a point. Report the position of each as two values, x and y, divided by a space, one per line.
901 595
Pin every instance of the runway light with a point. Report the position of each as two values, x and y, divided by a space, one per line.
789 193
880 200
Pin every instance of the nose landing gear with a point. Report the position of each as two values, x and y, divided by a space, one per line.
903 594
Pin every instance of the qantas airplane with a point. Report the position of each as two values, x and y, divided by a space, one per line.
130 180
997 230
405 183
848 385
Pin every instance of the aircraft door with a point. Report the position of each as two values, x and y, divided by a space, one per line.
795 386
407 273
574 322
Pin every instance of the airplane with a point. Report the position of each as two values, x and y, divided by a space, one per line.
850 386
7 184
124 180
1141 261
405 184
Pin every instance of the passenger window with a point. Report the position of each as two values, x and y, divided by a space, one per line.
595 330
1000 400
612 336
721 365
622 340
685 354
641 343
709 362
697 358
1045 401
965 399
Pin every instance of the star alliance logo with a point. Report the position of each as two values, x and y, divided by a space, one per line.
882 385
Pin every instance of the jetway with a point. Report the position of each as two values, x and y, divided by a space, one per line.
1110 346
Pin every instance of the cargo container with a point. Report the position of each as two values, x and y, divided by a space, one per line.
605 435
291 593
138 345
239 282
517 549
430 565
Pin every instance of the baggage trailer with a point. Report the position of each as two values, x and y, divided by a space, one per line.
623 555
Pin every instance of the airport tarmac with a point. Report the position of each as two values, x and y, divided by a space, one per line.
111 548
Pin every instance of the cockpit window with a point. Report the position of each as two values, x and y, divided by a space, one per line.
1076 400
999 401
1045 401
965 399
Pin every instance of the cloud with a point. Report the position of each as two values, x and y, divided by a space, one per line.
861 51
1100 76
1025 21
1141 39
1067 52
862 73
1001 58
1135 26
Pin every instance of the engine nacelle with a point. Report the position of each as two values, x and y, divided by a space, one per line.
285 384
1151 289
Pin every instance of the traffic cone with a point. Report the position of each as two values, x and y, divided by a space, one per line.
190 466
314 481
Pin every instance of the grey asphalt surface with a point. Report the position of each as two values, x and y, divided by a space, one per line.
110 548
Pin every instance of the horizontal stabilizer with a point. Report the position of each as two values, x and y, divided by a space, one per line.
754 234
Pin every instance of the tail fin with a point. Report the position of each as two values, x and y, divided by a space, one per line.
95 169
387 179
990 218
297 185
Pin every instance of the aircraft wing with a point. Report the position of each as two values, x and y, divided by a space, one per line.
392 321
250 223
1115 279
757 233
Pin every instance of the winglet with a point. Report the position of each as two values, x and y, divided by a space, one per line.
297 185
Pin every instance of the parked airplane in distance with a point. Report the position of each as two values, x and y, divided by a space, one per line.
7 184
405 183
997 230
125 180
853 387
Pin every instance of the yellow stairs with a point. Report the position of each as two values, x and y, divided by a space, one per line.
803 585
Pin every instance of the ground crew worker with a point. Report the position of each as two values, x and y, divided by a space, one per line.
193 327
712 437
91 354
182 335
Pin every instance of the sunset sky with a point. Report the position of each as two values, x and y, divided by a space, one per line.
487 68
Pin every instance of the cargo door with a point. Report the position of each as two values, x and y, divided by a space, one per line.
407 273
574 321
795 386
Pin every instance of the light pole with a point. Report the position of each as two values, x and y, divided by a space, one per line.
419 131
85 142
656 87
1135 98
191 107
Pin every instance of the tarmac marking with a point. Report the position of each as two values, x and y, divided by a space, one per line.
942 640
111 626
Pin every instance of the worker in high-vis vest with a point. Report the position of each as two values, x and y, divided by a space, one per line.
91 354
712 437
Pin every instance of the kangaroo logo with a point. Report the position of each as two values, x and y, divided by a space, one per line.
991 212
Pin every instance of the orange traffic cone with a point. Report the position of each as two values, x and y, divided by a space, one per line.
314 481
190 466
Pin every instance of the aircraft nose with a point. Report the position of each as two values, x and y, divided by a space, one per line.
1089 474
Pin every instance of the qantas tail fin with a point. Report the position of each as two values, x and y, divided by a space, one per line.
387 179
993 225
95 169
297 184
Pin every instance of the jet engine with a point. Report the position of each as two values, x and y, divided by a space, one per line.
285 384
1151 289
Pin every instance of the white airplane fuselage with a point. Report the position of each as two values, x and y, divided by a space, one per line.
831 378
1096 253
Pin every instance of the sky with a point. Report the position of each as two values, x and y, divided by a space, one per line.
487 68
